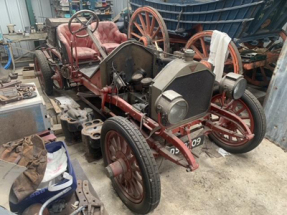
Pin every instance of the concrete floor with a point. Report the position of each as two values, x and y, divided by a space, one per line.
253 183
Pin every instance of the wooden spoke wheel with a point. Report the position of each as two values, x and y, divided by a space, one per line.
200 43
263 81
147 25
251 112
130 165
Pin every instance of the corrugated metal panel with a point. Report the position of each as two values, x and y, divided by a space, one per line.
15 12
119 5
276 102
42 9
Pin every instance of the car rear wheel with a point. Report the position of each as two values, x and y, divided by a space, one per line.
251 112
130 165
43 72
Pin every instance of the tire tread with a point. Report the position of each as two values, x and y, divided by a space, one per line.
46 71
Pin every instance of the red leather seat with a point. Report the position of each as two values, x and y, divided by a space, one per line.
107 33
84 45
109 36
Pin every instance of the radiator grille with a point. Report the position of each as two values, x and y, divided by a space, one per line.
196 89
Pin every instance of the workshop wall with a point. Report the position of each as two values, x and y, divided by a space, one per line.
15 12
119 5
276 102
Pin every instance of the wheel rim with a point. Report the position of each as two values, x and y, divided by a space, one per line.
201 47
38 73
147 25
239 108
130 182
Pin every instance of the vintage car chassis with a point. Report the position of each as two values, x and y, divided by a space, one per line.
108 96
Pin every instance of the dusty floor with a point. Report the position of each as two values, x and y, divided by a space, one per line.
253 183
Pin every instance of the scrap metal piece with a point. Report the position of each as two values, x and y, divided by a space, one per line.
93 206
67 101
91 137
9 172
10 84
71 121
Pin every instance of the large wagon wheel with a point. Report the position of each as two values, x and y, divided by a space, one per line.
201 45
147 25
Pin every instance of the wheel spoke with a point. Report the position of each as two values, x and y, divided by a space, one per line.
124 147
155 33
119 145
135 167
112 150
137 177
147 22
136 35
245 117
152 25
139 28
137 187
240 111
229 104
199 54
142 23
129 186
132 158
114 144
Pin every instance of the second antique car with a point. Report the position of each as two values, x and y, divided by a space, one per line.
151 103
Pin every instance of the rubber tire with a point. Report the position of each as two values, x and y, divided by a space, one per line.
145 159
46 71
259 125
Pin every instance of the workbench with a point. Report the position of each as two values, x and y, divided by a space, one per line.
21 38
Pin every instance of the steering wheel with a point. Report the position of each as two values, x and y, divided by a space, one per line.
84 25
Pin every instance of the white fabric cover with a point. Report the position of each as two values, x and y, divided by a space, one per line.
219 52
